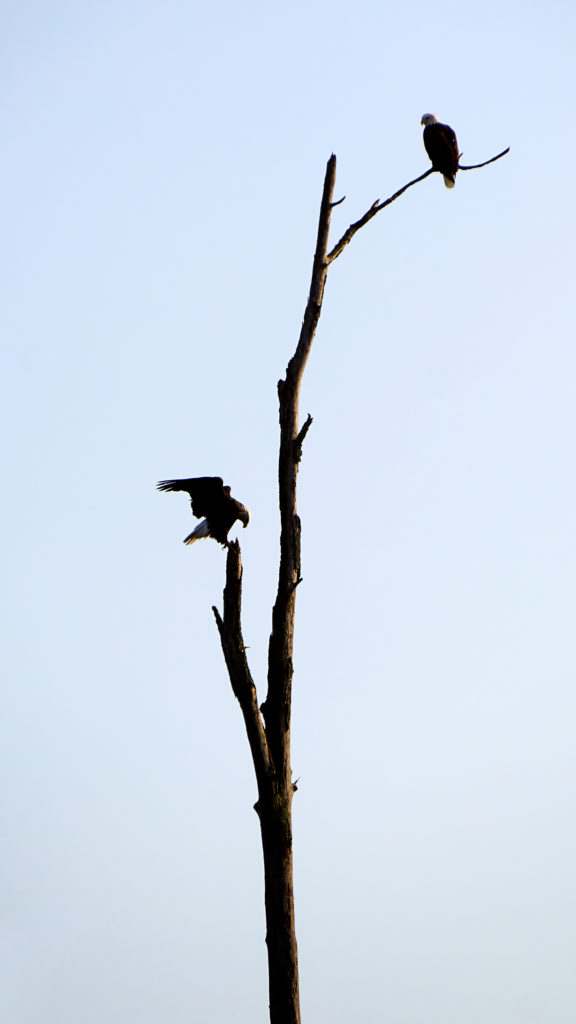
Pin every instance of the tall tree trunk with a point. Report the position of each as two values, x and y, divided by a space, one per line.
275 824
268 727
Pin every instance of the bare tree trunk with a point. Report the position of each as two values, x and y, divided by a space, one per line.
268 727
276 828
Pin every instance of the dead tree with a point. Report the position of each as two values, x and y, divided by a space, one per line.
268 726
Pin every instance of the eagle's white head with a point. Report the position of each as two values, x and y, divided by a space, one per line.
429 119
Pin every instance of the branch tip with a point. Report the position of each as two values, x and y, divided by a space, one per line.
299 439
472 167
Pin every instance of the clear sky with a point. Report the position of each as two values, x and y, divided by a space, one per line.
161 175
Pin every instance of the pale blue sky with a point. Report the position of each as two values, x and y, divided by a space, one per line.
161 175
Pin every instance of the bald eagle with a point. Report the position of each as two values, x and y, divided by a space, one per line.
209 498
442 147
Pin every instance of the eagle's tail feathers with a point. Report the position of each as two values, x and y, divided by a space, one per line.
202 530
449 182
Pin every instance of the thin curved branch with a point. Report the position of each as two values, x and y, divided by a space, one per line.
374 209
472 167
377 206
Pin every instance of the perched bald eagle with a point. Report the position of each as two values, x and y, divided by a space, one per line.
211 499
442 148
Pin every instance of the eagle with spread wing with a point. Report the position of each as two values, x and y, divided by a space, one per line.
210 499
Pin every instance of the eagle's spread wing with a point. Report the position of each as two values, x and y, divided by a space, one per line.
206 494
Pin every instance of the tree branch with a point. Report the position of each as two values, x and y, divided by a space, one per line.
230 629
377 205
472 167
300 439
374 209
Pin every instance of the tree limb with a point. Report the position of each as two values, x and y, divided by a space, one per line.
472 167
230 629
377 205
300 439
374 209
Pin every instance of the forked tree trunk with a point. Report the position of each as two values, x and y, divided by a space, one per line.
268 727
